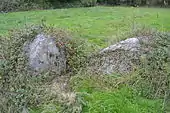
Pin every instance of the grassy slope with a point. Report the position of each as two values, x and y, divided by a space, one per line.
96 23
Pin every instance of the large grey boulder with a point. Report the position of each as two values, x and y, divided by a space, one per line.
121 57
131 44
43 54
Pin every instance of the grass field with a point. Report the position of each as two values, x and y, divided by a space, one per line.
100 25
97 24
101 97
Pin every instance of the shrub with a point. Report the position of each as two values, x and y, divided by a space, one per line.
153 77
8 5
17 84
88 3
22 5
20 89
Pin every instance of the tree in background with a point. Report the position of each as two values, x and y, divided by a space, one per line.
136 2
14 5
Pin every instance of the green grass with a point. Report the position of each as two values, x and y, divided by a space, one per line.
122 100
99 97
97 24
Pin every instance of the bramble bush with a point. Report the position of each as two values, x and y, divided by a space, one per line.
153 76
19 88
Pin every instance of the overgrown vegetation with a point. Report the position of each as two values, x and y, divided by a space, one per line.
154 74
146 90
20 88
150 81
16 5
22 5
18 92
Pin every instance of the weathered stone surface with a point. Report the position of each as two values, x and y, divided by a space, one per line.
121 57
43 54
131 44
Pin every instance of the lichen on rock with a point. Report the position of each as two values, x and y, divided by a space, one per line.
43 54
121 57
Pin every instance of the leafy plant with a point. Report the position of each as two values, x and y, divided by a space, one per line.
20 88
153 78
